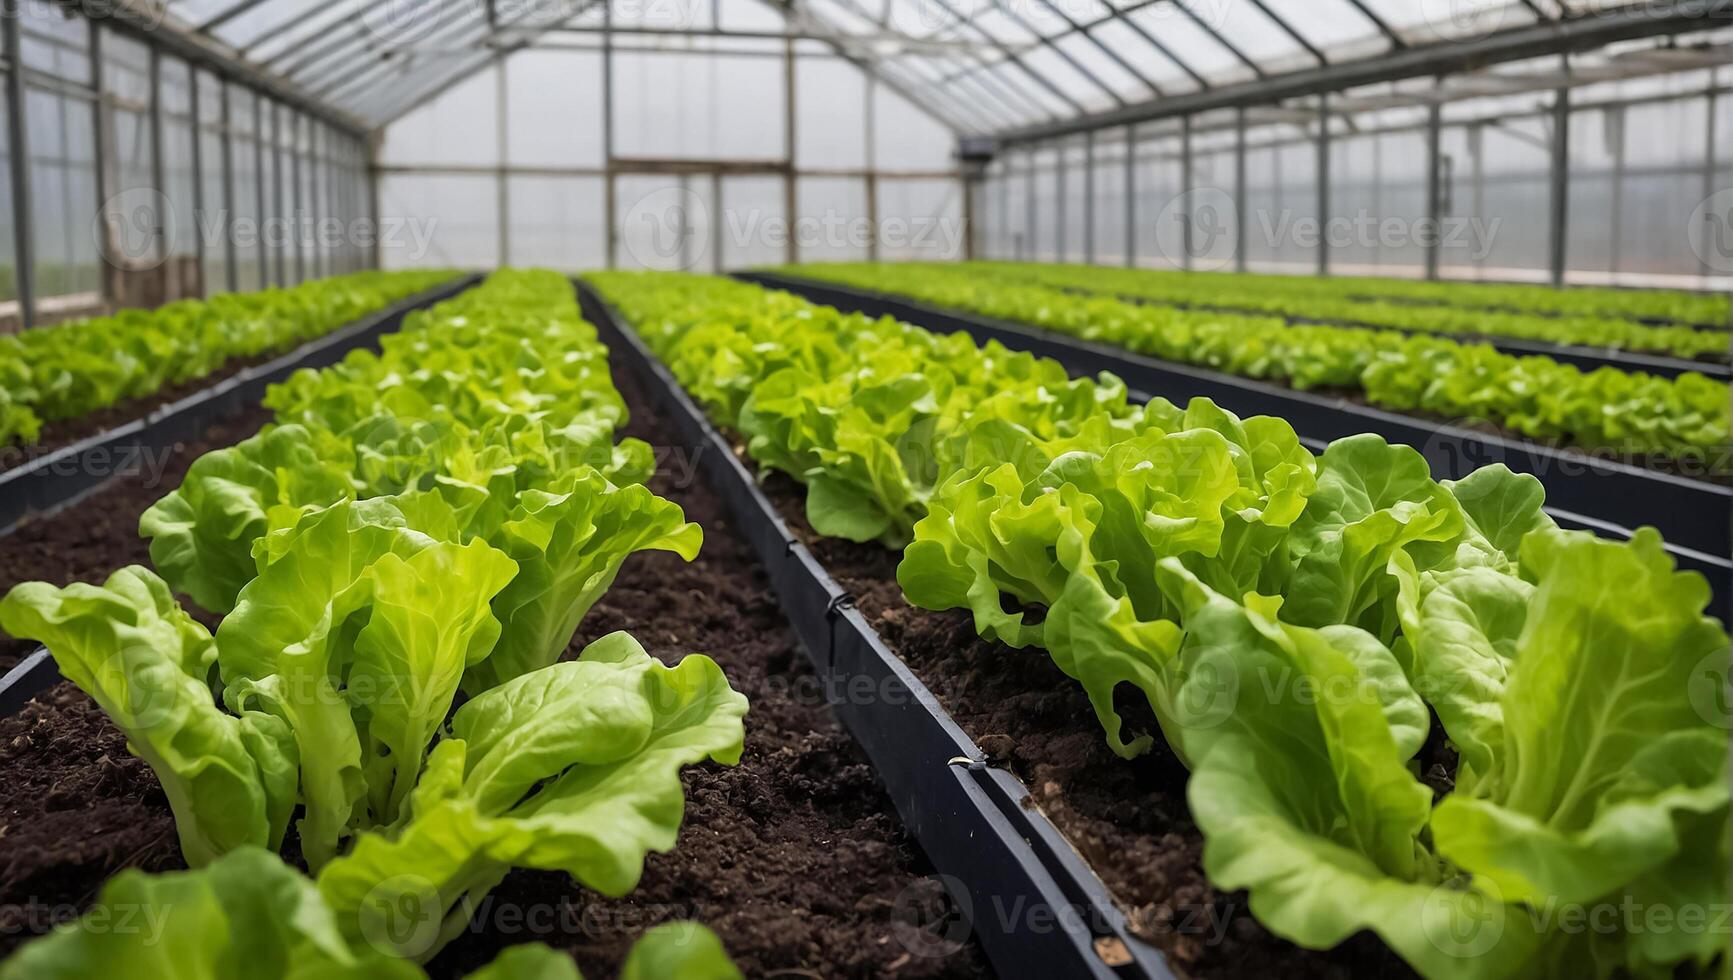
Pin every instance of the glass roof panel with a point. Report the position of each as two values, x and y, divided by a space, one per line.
196 12
288 32
844 17
1087 58
1254 32
1006 76
1135 48
1049 63
1190 43
1045 19
1330 25
1432 20
1000 27
1102 65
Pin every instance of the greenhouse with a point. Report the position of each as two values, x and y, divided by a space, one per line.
706 489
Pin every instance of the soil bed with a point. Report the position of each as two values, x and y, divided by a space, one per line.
1129 820
795 857
64 432
88 541
75 806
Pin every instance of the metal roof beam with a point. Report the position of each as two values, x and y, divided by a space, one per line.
1112 55
1209 29
203 52
1443 57
1050 45
1292 34
1396 40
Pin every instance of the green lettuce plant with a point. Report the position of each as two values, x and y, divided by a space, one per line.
249 914
72 369
1295 624
1630 414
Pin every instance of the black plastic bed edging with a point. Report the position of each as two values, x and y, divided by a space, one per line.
1578 356
1030 899
65 476
1694 516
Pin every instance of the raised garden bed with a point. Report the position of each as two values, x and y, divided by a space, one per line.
795 857
1694 516
1121 833
137 444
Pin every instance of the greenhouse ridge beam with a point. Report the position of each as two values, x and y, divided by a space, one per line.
1447 57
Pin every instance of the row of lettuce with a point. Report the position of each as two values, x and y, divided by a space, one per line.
1633 306
1661 305
1682 424
1294 621
74 369
422 526
1344 301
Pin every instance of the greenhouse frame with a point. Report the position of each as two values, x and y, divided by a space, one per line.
1564 126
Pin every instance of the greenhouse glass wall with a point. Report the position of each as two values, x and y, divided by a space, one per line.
197 146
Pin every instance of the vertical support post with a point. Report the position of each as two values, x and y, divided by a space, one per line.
1059 214
1131 196
501 190
872 174
369 177
1005 233
1324 184
19 160
788 135
298 124
1089 198
610 206
104 158
1240 195
1709 160
1558 213
316 207
278 112
1185 179
232 253
1029 207
717 222
973 187
1615 128
259 183
157 181
198 162
1434 186
872 215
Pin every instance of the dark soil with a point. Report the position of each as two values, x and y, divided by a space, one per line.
64 432
795 857
91 539
1129 820
75 806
